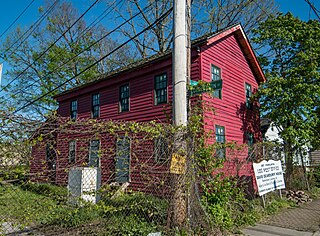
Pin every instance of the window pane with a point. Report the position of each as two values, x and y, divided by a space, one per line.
73 109
216 75
96 99
160 87
95 105
123 159
95 112
124 98
50 156
161 149
220 138
72 151
94 153
248 95
221 153
250 139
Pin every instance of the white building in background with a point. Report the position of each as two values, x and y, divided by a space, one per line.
270 133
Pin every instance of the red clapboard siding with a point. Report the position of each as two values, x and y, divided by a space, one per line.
235 72
229 50
230 111
142 106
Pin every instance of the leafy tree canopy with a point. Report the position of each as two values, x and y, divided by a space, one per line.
291 60
39 63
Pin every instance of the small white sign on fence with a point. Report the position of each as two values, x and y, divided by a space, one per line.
269 176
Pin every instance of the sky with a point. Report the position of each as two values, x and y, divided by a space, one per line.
11 10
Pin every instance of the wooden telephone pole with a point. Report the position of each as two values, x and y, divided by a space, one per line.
181 72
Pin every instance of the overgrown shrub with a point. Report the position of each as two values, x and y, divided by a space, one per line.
18 173
126 214
226 203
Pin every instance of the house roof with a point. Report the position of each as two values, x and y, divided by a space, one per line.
205 39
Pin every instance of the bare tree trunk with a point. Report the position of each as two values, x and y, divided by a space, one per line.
289 163
304 170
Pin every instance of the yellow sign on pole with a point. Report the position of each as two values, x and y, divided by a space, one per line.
178 164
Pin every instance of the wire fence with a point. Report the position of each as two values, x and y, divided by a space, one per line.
114 178
96 177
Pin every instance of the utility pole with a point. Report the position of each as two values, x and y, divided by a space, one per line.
179 64
178 213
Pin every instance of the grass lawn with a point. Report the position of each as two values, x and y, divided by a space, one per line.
24 207
46 206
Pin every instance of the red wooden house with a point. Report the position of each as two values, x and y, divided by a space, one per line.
143 92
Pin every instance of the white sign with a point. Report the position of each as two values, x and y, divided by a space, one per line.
269 176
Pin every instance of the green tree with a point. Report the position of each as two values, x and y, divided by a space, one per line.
290 97
50 69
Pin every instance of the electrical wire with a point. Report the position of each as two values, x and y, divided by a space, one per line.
25 9
103 15
95 63
315 10
31 29
87 48
45 51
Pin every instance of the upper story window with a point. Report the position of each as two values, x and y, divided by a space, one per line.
160 89
73 109
216 75
94 153
95 106
124 95
220 138
72 151
248 96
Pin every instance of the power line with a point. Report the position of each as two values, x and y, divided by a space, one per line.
101 16
95 63
25 9
45 51
87 48
29 31
315 10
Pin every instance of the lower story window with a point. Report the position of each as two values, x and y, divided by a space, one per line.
94 153
220 139
123 155
250 139
72 151
161 149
